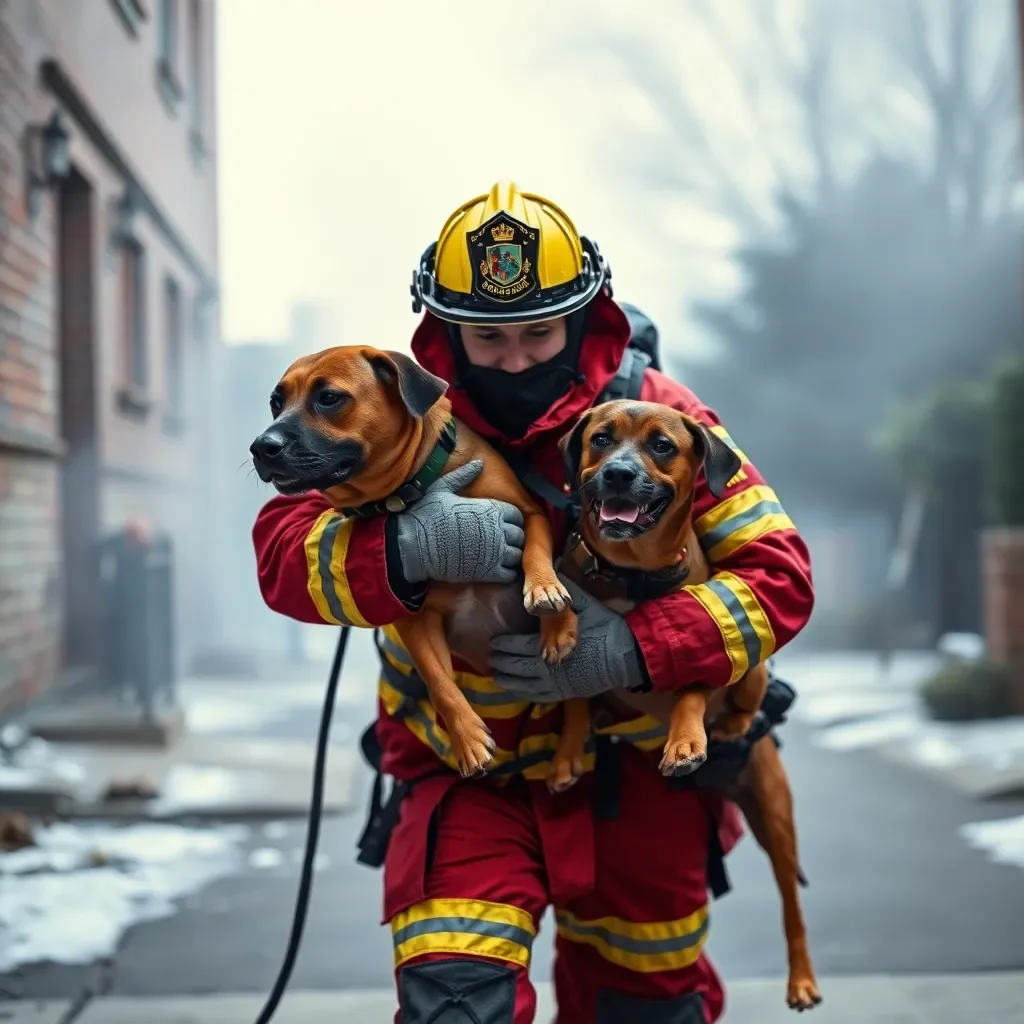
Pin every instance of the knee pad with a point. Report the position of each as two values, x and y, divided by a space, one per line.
619 1008
457 991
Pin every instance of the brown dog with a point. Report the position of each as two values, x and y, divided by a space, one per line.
358 424
635 466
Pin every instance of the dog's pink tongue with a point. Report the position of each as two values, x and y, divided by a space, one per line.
622 512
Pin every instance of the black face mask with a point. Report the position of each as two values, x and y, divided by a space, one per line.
511 402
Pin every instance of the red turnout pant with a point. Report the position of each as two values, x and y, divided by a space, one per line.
472 866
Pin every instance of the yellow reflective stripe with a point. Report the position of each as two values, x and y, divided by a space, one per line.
467 927
487 698
746 632
536 753
738 520
741 455
645 948
420 719
645 732
326 549
721 432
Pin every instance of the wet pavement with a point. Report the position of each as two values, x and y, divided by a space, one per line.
858 999
889 853
888 874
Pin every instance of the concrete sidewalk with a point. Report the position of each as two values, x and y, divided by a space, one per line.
988 998
246 751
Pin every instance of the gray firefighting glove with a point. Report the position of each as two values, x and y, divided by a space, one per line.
460 540
606 657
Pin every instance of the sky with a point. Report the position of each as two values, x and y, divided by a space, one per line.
349 131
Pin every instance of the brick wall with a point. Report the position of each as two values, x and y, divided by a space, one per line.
64 431
29 581
29 467
1003 574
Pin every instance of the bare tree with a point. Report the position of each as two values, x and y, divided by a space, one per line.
824 86
973 102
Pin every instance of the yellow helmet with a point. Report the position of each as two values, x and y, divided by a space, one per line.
508 257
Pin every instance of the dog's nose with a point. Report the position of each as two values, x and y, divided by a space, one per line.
268 446
619 474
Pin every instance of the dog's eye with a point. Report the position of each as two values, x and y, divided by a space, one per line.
600 441
328 399
276 404
662 446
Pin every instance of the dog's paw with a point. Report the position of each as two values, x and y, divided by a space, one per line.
472 746
545 598
802 993
558 638
566 769
681 757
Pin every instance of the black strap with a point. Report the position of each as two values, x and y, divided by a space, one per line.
629 378
718 876
607 794
627 383
542 488
414 489
380 822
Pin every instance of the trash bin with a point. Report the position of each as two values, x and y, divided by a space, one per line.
140 618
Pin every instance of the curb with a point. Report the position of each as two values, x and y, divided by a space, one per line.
996 996
69 802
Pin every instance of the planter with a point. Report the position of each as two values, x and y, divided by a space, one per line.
1003 587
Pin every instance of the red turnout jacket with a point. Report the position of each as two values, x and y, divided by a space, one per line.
316 566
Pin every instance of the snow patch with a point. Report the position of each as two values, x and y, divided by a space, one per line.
997 744
266 857
274 830
823 709
1002 841
869 732
70 899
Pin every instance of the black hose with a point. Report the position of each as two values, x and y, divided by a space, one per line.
316 808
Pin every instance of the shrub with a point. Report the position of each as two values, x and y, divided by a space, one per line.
1005 467
968 690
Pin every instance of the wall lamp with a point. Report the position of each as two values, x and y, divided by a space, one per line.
47 159
123 213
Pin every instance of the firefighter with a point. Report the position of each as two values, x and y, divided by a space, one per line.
520 320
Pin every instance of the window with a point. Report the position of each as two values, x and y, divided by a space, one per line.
167 54
174 357
195 79
132 14
168 32
134 357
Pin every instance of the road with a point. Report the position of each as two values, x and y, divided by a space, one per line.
893 888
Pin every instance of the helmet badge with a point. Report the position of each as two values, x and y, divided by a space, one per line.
503 254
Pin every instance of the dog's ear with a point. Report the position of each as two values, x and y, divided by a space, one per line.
418 389
720 462
571 446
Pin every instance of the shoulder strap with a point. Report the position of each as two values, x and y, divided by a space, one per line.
629 378
627 383
542 488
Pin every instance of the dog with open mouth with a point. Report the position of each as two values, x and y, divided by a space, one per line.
366 428
635 467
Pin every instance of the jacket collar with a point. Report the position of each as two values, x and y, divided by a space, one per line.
601 352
